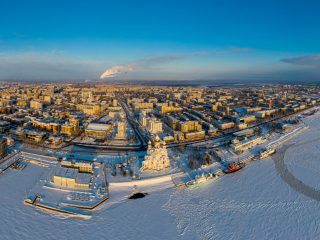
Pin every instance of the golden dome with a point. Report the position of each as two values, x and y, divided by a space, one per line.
157 139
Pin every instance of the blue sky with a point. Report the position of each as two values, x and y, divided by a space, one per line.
148 40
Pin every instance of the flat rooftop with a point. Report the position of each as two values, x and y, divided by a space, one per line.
67 172
83 178
243 132
98 127
76 163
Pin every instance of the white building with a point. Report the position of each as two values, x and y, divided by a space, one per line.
121 131
153 125
260 114
116 114
157 157
246 143
143 118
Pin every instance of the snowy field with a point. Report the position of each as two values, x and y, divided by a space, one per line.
254 203
303 157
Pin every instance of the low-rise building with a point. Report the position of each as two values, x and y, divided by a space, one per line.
68 129
70 177
56 141
97 130
116 114
17 134
225 126
83 166
245 144
34 137
246 119
260 114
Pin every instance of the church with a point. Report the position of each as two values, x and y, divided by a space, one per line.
157 157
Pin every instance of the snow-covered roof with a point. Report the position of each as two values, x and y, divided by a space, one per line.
98 127
67 172
70 163
83 178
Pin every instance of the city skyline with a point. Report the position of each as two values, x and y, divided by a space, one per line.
159 120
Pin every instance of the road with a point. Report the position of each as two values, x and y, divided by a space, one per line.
133 123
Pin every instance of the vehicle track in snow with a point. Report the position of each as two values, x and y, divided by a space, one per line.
288 177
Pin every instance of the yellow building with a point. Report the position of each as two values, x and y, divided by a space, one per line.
141 105
172 122
74 121
189 126
165 109
70 177
97 130
184 128
22 102
81 165
68 129
246 119
91 109
55 127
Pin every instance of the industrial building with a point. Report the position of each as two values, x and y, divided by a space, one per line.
70 177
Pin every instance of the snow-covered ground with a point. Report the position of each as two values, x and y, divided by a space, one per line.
254 203
303 157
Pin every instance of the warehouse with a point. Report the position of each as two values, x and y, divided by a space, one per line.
65 177
70 177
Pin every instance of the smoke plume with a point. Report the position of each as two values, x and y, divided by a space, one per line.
116 70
